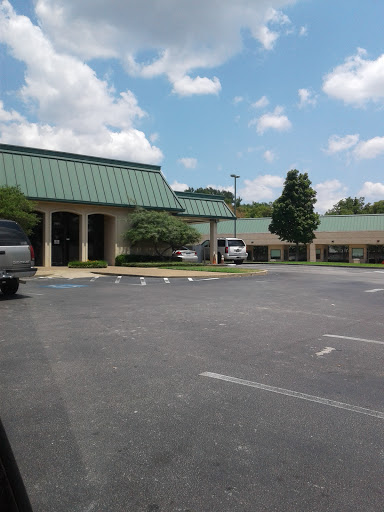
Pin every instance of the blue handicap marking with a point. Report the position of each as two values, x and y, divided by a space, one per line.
64 286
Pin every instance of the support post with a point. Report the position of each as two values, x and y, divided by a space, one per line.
47 262
213 241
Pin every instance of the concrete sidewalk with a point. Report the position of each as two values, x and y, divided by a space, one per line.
133 271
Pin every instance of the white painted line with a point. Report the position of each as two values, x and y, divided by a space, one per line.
296 394
118 279
375 290
190 279
355 339
379 271
326 350
94 278
208 279
142 281
166 280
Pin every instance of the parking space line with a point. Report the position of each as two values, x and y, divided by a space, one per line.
374 290
94 278
296 394
166 280
142 281
355 339
190 279
118 279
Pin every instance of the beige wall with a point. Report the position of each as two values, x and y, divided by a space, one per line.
115 224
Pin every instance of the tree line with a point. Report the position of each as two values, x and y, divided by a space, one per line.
346 206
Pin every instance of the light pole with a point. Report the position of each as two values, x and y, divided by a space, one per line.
235 176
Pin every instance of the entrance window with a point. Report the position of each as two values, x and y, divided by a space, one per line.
375 253
65 238
96 237
357 252
260 253
338 253
275 254
318 254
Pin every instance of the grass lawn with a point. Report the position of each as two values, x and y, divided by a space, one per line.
215 268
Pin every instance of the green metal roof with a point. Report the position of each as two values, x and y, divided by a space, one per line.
203 205
44 175
328 223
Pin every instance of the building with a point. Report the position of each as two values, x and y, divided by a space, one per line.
338 238
84 202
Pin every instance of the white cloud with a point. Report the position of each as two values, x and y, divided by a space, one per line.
187 86
328 194
357 81
269 155
75 110
261 103
188 163
372 191
154 137
369 149
306 98
179 187
230 188
237 100
272 121
176 36
337 143
262 188
303 31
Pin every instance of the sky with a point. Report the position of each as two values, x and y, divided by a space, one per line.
204 88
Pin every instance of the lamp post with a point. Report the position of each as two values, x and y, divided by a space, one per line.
235 176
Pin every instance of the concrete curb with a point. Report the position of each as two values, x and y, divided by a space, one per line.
73 273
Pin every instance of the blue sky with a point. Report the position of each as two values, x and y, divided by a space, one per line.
203 88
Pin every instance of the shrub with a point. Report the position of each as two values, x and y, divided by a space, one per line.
88 264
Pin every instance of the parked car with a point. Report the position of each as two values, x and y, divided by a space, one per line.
185 254
17 258
232 249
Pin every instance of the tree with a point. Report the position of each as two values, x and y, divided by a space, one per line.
349 206
255 210
15 206
293 216
377 207
229 197
162 230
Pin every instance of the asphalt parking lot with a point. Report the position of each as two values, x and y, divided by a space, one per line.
231 395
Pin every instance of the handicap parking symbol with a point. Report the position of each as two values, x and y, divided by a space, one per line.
61 286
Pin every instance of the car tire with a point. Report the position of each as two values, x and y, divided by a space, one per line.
219 257
10 287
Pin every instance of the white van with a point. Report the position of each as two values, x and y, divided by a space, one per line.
232 249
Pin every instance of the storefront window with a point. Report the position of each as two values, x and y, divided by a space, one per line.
357 252
275 254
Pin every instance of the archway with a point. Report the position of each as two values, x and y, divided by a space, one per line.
65 238
101 237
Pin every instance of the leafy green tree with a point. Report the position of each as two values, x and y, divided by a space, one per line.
229 197
377 207
255 210
15 206
293 218
162 230
349 206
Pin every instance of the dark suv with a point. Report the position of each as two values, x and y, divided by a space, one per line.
17 258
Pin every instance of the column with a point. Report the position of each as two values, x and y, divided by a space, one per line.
47 257
213 241
312 252
83 237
